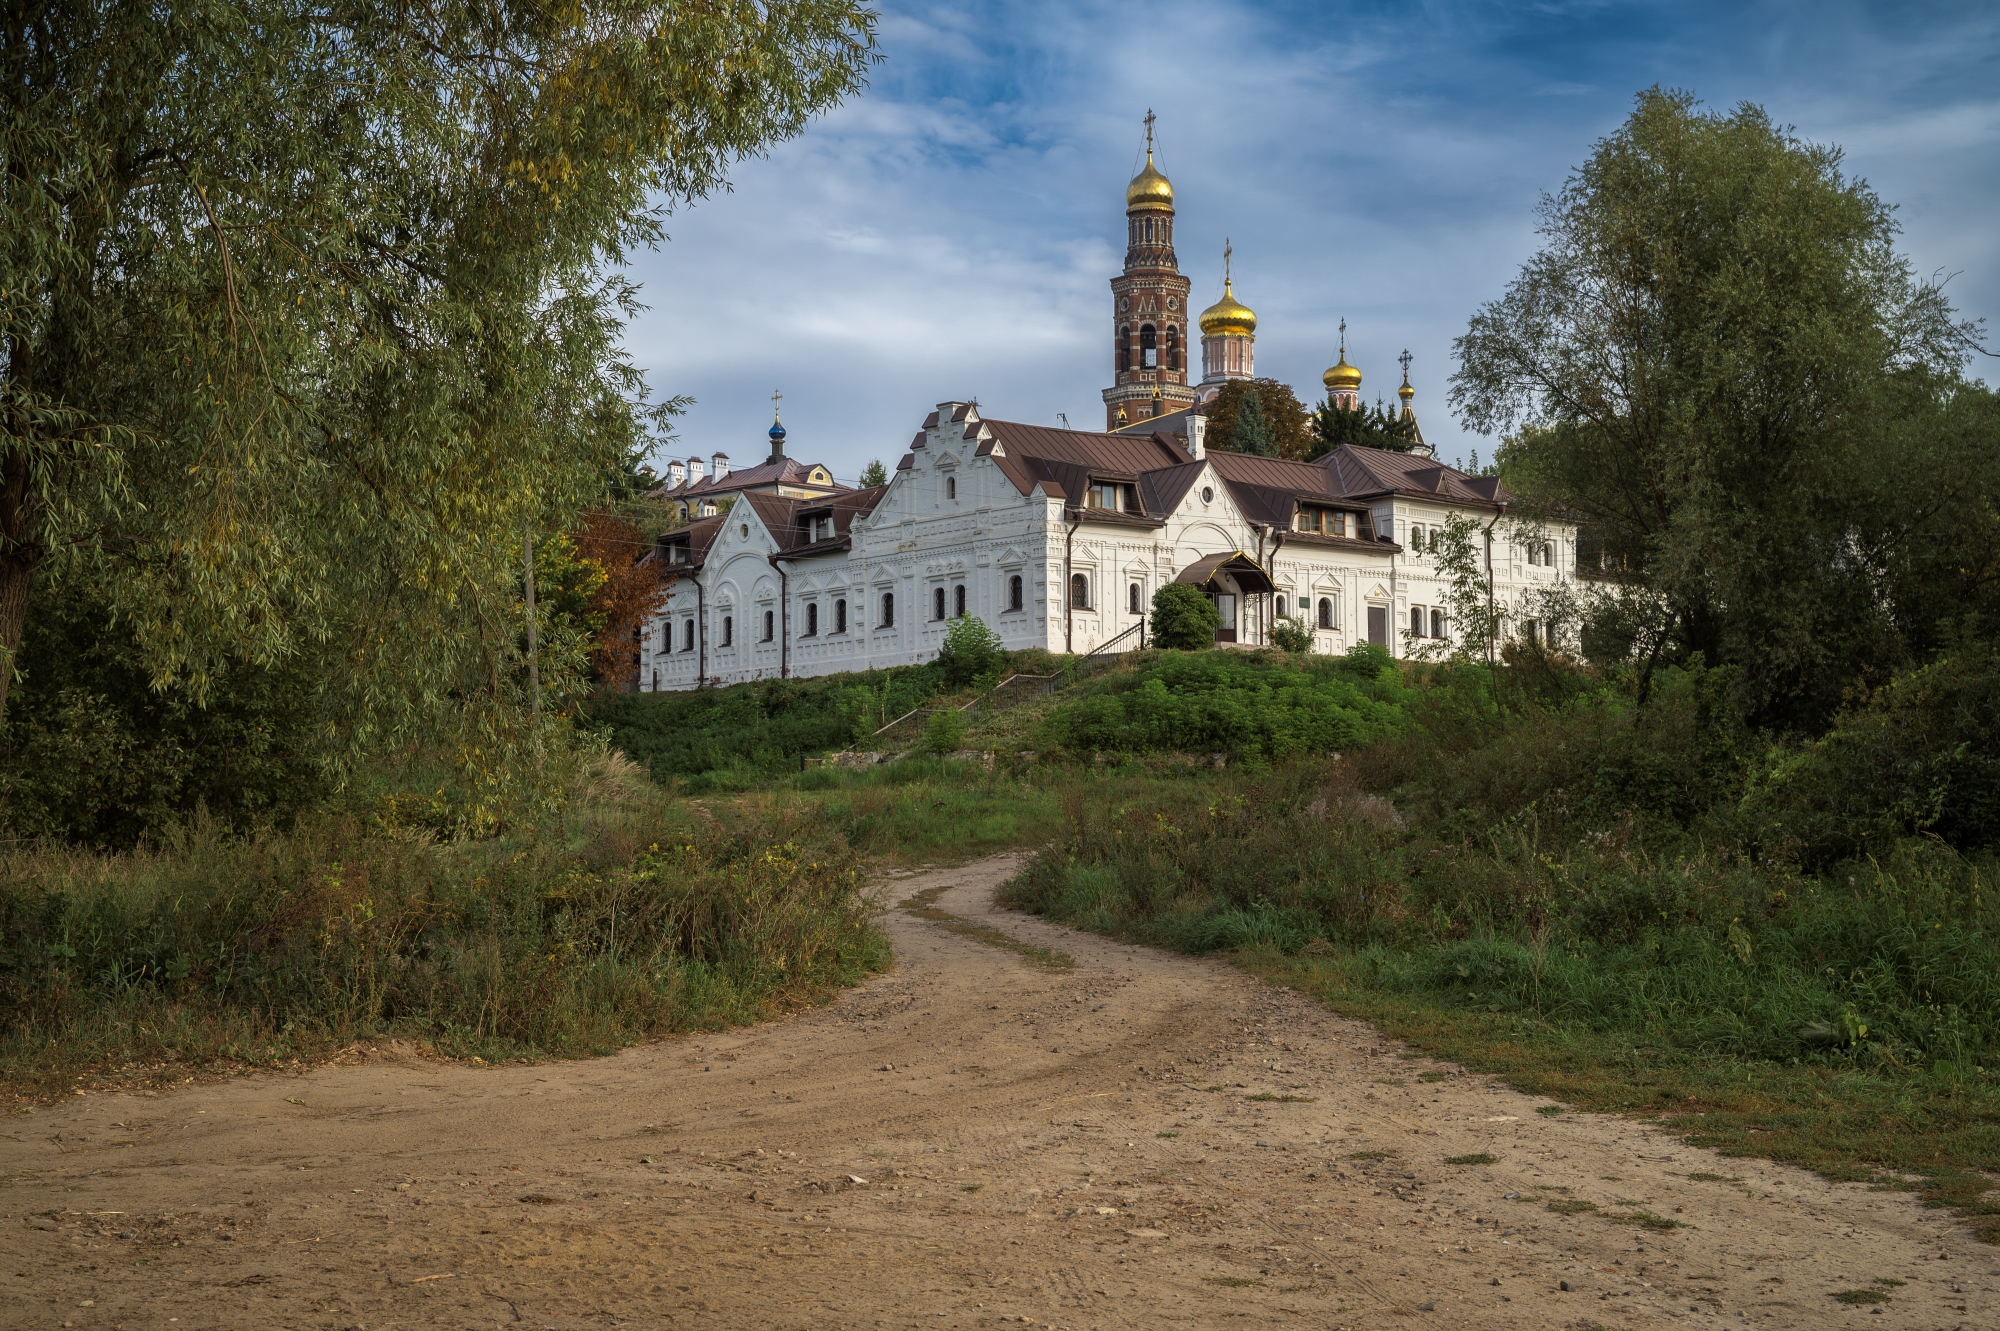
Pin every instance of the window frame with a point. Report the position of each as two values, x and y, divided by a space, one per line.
1079 591
1017 598
937 605
1328 613
958 600
888 611
840 614
812 620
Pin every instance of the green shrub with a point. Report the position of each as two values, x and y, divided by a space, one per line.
944 733
971 649
1259 706
1182 618
1290 635
91 752
734 737
1920 756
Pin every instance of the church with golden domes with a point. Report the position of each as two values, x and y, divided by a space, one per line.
1151 343
1058 538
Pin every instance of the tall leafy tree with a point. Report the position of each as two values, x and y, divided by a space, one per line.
1698 363
874 474
307 313
1283 416
1334 425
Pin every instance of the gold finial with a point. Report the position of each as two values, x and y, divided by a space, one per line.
1406 392
1227 250
1123 419
1149 189
776 398
1342 377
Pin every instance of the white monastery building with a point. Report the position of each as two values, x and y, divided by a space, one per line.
1058 538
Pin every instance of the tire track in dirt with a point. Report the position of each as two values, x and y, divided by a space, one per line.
970 1140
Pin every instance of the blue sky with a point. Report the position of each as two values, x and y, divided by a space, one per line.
950 232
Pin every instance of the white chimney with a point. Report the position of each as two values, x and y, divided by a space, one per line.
694 471
719 465
1196 424
676 474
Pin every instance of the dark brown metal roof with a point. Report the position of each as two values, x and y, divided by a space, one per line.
1249 574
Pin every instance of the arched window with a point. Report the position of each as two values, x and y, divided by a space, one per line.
1326 612
958 600
1014 592
937 604
1279 606
1124 348
812 620
728 631
840 616
1416 621
1149 347
951 487
1079 592
1437 623
1417 538
666 637
770 619
1135 596
888 610
687 638
1173 348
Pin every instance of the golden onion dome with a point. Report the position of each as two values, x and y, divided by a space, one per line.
1149 189
1342 375
1228 317
1406 392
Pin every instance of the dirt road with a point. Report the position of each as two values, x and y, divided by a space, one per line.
975 1139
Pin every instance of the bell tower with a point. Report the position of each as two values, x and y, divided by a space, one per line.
1149 307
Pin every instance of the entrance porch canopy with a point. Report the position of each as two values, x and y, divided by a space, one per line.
1250 578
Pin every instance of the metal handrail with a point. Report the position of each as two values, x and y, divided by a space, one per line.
1138 628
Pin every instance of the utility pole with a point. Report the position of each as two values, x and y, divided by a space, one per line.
534 653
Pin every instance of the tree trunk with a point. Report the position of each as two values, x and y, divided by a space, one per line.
17 579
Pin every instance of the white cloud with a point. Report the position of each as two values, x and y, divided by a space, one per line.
952 231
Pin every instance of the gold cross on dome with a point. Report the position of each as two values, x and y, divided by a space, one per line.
1149 131
1343 337
1405 360
776 398
1227 250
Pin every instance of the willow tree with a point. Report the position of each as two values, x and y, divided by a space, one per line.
310 310
1697 366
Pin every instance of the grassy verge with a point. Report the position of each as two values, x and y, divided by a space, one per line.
1939 1137
221 952
1846 1021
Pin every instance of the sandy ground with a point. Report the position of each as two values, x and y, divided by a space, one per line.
971 1140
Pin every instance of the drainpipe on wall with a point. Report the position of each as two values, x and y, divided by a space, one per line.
1271 569
1491 626
700 631
1264 609
1069 600
784 619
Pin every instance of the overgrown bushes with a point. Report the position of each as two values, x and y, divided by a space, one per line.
1258 706
1593 863
281 944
